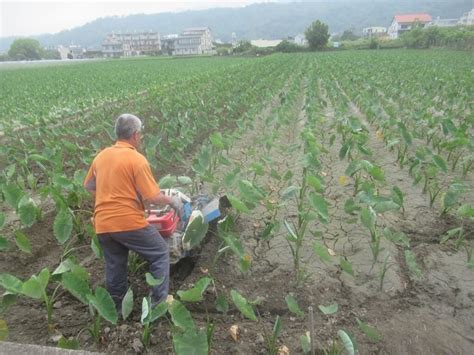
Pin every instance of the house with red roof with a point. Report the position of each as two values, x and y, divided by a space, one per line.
405 22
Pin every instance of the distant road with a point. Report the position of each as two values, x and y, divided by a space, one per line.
25 63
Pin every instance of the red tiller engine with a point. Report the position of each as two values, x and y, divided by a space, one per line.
175 231
165 222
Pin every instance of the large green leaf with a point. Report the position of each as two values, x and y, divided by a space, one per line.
159 311
292 236
234 244
440 163
22 242
346 266
350 206
70 265
167 182
95 244
412 264
12 194
238 204
397 196
8 299
305 341
368 218
249 192
195 294
221 304
181 316
384 206
331 309
316 182
293 306
28 211
405 134
4 244
466 211
63 225
146 310
276 328
2 219
319 204
10 283
185 180
150 280
371 332
216 140
32 288
377 173
77 286
322 252
191 343
127 304
347 341
195 231
243 305
104 304
64 343
344 149
290 192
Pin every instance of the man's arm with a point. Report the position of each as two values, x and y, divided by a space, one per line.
159 199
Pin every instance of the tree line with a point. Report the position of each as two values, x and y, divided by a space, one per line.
29 49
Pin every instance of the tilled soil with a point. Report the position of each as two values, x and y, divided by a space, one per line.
431 315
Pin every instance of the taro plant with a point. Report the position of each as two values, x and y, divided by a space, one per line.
195 294
451 198
309 199
187 338
101 306
425 167
465 213
100 303
231 243
149 315
245 307
38 286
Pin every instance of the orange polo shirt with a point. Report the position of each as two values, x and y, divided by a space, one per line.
121 179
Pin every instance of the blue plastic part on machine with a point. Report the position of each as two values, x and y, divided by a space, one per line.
187 210
211 211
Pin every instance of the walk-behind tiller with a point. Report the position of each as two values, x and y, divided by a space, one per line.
184 234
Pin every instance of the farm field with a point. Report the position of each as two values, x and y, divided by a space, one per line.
350 179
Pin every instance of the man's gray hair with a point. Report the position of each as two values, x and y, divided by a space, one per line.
126 125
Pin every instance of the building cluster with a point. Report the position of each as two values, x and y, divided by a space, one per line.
198 40
192 41
405 22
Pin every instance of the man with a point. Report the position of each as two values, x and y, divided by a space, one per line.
121 182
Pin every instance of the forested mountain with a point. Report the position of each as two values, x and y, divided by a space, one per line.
266 20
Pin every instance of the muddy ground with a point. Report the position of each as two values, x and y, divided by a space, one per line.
430 315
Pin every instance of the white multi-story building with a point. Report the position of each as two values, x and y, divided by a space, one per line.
193 41
467 19
374 31
131 44
403 23
300 39
443 22
71 52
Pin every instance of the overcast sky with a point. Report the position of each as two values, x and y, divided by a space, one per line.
24 18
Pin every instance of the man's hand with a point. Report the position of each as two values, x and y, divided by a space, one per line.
177 205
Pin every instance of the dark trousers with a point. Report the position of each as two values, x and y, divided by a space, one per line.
146 242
